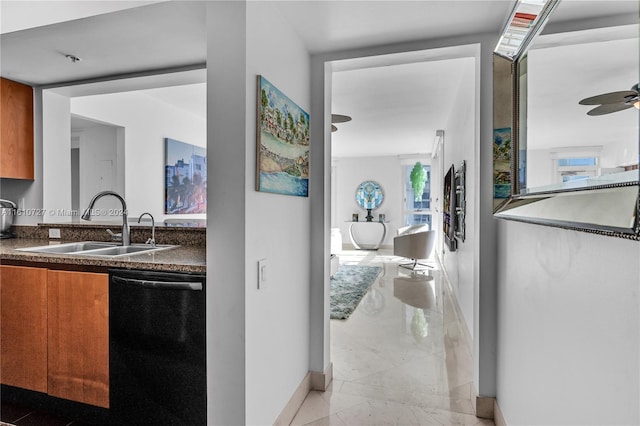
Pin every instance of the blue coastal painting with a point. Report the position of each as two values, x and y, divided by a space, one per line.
502 163
282 143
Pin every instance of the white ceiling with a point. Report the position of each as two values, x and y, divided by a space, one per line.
21 15
397 109
395 106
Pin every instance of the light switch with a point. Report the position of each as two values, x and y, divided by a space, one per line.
262 273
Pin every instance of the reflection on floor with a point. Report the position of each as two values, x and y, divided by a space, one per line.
401 358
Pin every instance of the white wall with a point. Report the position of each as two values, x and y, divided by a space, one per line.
98 146
56 125
569 327
277 228
460 143
351 172
257 340
146 122
619 154
226 235
539 168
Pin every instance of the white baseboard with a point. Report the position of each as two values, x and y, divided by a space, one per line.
313 380
498 417
289 411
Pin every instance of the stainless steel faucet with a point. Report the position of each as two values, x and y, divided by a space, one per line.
125 225
151 240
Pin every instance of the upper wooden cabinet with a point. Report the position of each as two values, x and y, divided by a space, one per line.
16 138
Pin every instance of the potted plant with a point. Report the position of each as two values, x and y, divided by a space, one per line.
418 179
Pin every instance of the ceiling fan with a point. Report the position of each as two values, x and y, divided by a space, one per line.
338 118
613 102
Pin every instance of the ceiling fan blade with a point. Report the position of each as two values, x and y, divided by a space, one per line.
334 128
339 118
609 98
609 108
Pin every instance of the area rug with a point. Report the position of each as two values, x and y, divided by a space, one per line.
348 285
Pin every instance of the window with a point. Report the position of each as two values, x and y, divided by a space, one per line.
575 168
570 165
416 212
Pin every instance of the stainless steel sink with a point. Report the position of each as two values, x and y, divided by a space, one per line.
126 250
96 248
69 247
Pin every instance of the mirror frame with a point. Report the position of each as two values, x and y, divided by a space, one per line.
563 208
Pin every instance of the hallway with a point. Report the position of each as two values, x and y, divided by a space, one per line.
401 358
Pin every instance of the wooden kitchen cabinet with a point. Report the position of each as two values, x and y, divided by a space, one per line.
78 338
16 125
23 327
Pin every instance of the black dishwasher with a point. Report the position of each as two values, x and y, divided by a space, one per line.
157 354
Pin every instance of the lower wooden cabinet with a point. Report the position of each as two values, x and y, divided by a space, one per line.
23 327
78 339
55 333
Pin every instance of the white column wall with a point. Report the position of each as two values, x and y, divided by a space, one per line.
462 144
56 176
569 327
277 229
257 340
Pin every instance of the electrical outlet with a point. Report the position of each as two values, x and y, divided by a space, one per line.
262 273
54 232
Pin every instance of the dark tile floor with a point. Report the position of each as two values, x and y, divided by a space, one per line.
22 416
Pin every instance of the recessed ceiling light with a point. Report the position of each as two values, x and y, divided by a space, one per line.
73 58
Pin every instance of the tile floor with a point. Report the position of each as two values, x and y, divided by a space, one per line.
400 359
22 416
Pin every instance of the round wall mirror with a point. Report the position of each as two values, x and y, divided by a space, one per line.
369 196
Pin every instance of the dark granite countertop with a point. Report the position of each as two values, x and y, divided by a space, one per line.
185 258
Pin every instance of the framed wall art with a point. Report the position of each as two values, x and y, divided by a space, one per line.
282 165
449 209
185 178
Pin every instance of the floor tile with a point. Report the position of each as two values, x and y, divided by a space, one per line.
11 412
37 418
401 358
319 405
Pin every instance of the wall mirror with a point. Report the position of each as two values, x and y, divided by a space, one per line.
118 128
566 121
369 196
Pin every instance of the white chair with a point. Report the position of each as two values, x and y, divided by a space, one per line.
414 242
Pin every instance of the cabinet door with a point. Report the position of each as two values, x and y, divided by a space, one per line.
23 327
16 136
79 337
